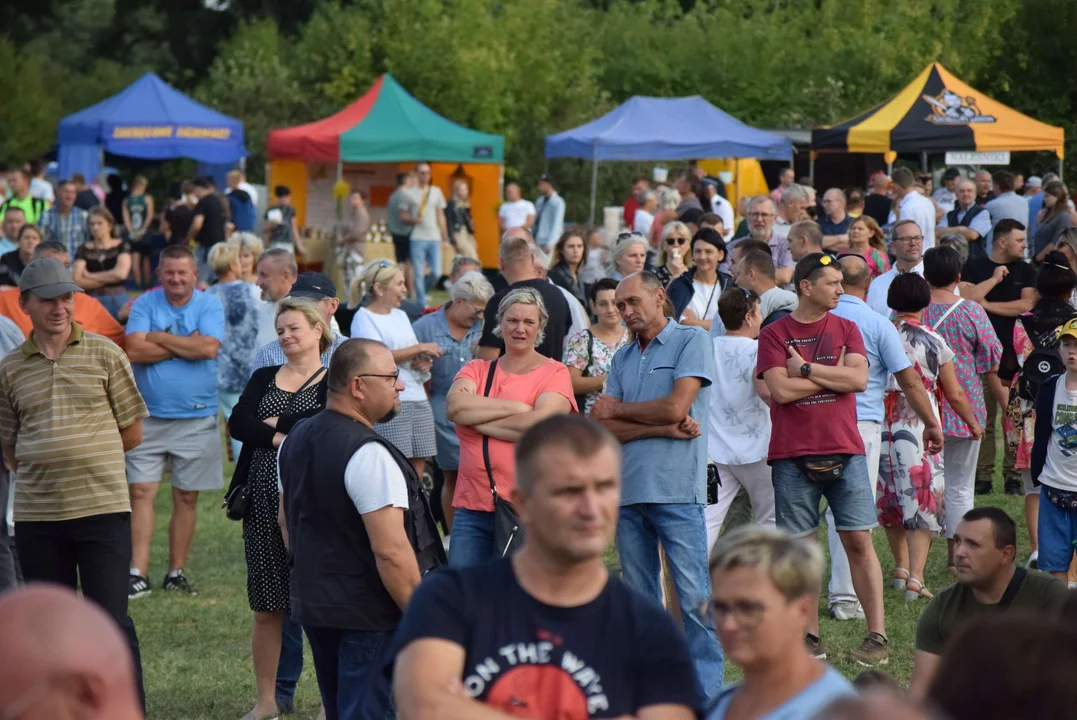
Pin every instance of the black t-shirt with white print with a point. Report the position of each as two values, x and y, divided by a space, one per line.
606 658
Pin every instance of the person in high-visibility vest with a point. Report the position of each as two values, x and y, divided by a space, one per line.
20 198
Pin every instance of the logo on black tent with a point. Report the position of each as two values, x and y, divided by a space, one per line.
949 108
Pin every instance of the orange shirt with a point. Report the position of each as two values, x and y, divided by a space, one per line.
89 313
472 483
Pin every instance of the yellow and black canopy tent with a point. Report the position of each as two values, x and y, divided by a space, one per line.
935 113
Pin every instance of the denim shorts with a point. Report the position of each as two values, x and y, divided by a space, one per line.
796 499
1057 531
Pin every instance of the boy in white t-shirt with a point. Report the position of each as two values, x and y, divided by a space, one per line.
1054 459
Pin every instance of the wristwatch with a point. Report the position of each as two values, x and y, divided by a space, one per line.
805 370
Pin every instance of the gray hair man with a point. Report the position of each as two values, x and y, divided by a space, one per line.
968 219
835 221
762 217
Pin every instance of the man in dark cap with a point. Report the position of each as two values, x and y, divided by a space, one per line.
312 286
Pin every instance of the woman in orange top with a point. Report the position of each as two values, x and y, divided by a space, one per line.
527 387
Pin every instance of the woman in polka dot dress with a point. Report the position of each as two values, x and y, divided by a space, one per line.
275 399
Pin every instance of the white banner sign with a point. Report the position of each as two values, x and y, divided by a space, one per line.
1001 157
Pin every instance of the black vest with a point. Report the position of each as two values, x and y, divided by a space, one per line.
334 580
954 218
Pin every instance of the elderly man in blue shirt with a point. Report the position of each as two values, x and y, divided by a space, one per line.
455 327
886 357
656 404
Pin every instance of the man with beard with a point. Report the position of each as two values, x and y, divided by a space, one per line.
359 528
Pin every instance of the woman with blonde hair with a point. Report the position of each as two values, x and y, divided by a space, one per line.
866 240
412 430
251 248
676 247
493 403
273 401
629 255
458 218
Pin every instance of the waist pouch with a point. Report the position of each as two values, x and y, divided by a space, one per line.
1062 499
822 468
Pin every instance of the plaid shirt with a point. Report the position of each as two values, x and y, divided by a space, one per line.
70 230
271 353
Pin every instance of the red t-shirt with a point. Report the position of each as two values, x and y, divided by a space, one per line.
823 423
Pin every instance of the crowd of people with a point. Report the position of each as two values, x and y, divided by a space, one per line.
630 392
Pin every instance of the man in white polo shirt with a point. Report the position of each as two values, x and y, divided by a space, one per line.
914 206
907 244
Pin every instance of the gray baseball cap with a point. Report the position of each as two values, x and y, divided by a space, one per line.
47 278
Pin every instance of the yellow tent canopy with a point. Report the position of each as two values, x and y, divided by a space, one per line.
937 112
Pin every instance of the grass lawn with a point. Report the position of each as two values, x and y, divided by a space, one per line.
196 651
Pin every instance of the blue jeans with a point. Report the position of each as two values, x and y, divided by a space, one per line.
1057 532
113 303
426 259
682 530
290 665
472 538
350 665
228 403
796 499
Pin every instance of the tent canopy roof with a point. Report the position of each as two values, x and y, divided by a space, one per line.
386 124
650 128
937 112
152 120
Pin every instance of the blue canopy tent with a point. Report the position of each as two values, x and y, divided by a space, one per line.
650 128
150 120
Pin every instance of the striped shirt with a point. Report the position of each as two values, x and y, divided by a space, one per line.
64 419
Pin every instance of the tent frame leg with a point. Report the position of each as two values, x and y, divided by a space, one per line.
594 184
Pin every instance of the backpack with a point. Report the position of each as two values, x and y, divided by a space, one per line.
1042 364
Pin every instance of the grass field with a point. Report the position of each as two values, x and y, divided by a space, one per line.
196 651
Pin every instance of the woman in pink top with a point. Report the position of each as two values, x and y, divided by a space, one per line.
527 387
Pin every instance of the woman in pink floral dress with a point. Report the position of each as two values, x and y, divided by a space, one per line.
910 490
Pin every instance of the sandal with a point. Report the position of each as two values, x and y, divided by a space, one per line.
898 581
920 592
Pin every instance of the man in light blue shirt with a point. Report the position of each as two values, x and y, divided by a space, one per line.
549 214
173 337
1035 201
1007 204
656 404
886 357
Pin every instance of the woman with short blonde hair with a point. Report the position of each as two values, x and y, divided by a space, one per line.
675 253
251 248
492 404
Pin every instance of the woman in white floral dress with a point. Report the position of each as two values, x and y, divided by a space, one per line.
911 486
588 353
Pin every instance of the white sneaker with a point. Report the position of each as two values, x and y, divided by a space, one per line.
1033 560
847 610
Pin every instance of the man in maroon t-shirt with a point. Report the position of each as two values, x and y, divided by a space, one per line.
814 363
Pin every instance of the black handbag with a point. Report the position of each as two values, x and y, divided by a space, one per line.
822 468
237 501
508 533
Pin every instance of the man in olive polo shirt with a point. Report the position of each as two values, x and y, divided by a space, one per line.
69 409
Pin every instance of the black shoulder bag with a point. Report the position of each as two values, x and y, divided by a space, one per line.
508 534
237 500
581 400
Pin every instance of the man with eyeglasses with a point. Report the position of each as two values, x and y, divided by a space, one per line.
907 245
761 218
359 529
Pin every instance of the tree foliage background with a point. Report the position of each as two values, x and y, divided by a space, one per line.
526 68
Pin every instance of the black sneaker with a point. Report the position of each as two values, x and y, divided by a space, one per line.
286 706
815 646
137 586
983 487
179 582
1015 487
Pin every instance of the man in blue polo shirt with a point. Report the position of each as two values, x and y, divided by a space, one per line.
173 336
886 356
656 404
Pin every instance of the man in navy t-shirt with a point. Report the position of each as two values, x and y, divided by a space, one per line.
548 632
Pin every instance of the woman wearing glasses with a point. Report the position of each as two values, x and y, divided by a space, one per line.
455 327
492 413
672 255
274 400
567 264
412 430
629 256
695 293
765 586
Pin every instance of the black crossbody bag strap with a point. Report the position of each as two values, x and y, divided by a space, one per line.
485 439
